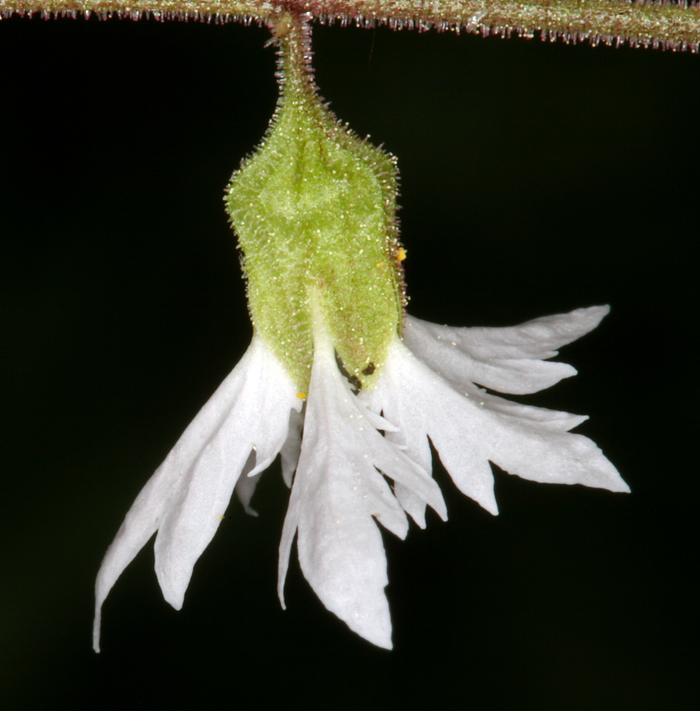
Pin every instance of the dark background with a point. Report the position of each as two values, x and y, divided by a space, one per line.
536 178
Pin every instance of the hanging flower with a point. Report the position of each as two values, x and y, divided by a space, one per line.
342 384
340 493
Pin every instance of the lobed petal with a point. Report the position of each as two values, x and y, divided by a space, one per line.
511 360
405 394
187 496
468 432
291 449
246 484
338 493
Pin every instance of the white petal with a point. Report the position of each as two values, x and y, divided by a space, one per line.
407 396
188 494
245 486
410 434
413 504
467 433
552 419
292 447
338 493
511 360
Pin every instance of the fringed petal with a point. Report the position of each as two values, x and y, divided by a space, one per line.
469 431
246 484
510 360
289 453
338 493
187 496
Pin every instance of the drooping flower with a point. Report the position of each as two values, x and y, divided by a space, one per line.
342 384
340 493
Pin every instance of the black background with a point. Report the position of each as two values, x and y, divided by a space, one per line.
536 178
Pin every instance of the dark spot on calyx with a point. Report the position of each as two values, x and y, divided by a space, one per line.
355 382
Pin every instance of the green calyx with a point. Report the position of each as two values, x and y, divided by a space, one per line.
314 210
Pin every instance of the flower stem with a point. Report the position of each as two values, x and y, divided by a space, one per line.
293 34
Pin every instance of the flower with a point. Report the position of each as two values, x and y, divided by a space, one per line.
315 213
427 391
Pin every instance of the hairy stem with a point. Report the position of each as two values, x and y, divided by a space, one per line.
640 24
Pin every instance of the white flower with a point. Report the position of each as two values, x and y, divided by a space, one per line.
351 444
